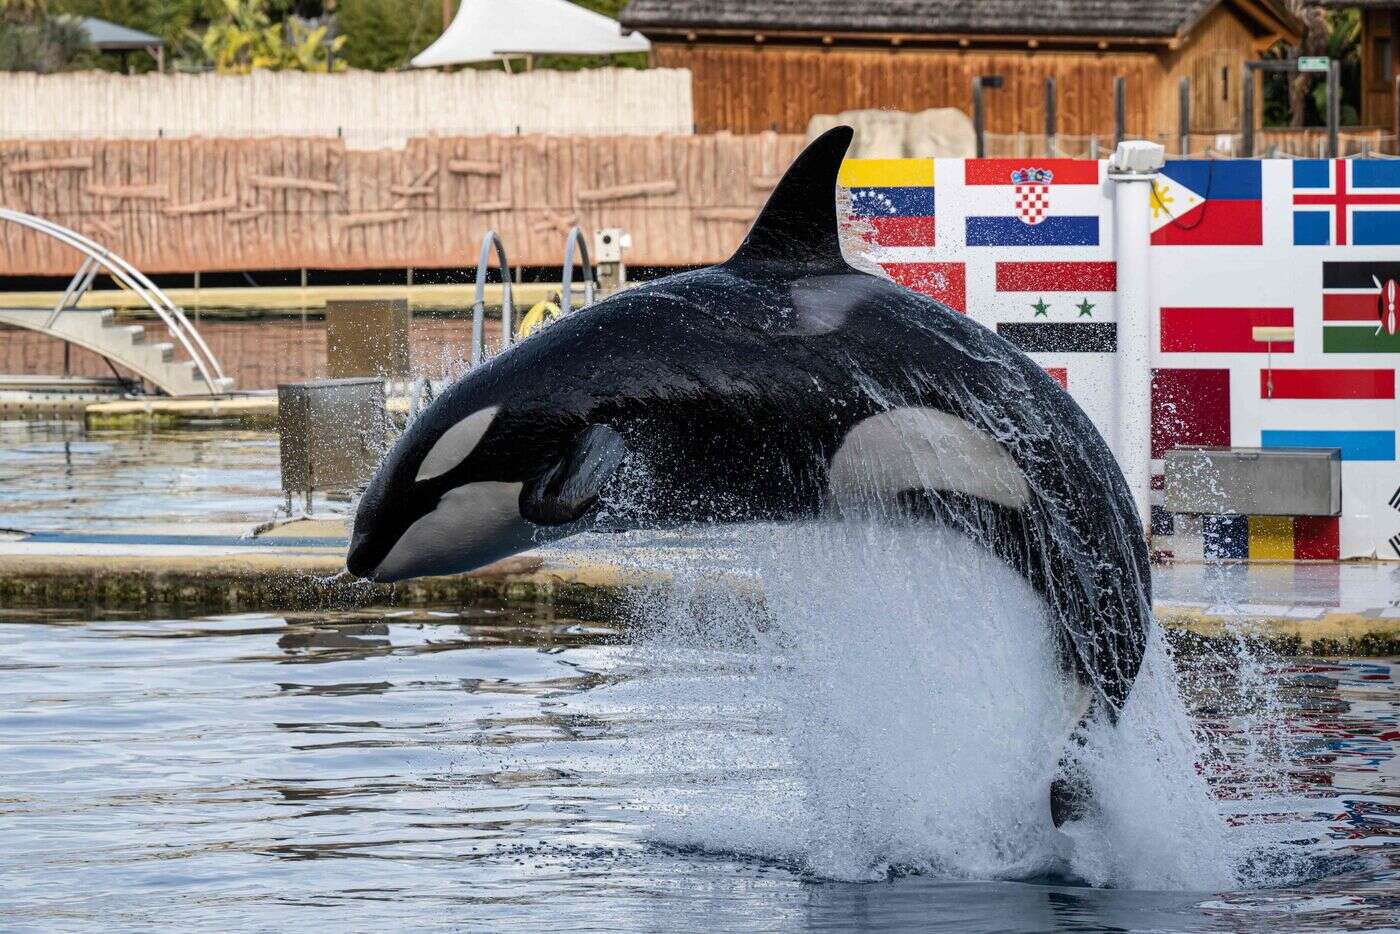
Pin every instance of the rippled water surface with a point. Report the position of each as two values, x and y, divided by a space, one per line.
487 769
54 476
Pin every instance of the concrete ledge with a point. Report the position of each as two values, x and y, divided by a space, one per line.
160 412
257 412
248 582
40 409
1339 633
229 583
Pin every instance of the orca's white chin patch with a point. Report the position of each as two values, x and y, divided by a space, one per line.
472 526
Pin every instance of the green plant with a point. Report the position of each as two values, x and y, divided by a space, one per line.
24 11
31 39
171 20
50 44
385 34
1300 99
245 38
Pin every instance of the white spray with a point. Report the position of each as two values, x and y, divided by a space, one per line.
864 698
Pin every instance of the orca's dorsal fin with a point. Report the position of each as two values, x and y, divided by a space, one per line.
798 224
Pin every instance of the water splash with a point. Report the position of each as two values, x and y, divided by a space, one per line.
877 698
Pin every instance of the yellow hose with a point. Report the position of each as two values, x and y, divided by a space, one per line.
537 317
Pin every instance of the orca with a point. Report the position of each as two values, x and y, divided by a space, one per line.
781 385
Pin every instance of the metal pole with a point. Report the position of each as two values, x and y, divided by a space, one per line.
1132 170
305 366
1050 116
1120 109
1247 115
1183 115
978 117
1334 106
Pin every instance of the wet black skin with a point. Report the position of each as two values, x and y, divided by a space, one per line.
731 388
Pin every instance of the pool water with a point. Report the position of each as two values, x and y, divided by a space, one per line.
492 769
55 476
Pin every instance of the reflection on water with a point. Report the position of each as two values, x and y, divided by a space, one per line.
54 476
445 769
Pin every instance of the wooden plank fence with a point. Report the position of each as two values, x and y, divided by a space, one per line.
369 110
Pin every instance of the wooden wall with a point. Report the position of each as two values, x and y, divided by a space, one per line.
748 87
751 88
184 205
1379 38
1213 57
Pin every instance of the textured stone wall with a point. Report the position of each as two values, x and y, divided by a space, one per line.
229 204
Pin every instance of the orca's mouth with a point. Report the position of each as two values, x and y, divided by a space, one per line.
362 558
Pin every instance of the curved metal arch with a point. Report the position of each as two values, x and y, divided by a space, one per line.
566 280
479 304
134 280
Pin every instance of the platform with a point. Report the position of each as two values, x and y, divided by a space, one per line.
1315 609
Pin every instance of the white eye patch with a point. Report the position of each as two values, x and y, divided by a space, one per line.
455 444
925 449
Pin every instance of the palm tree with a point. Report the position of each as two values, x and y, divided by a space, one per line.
1326 32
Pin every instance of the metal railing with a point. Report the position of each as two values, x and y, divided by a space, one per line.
566 279
574 241
492 239
132 279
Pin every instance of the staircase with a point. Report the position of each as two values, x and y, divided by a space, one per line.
123 344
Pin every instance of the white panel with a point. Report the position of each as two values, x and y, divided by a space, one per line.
1274 274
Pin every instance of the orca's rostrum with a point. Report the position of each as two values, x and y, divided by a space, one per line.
780 385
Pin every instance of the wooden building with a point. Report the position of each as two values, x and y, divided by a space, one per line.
761 65
1380 31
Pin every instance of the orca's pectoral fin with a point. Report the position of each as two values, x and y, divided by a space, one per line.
568 490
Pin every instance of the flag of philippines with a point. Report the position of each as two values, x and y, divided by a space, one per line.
1044 202
895 197
1208 202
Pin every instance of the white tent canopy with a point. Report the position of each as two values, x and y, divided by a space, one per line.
486 30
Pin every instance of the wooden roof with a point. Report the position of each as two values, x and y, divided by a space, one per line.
1361 4
1162 20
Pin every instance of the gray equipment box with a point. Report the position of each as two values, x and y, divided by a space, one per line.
1254 481
367 338
333 433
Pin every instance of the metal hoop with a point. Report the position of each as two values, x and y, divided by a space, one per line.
479 305
575 235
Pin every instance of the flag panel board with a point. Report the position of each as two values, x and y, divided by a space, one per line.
1292 247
